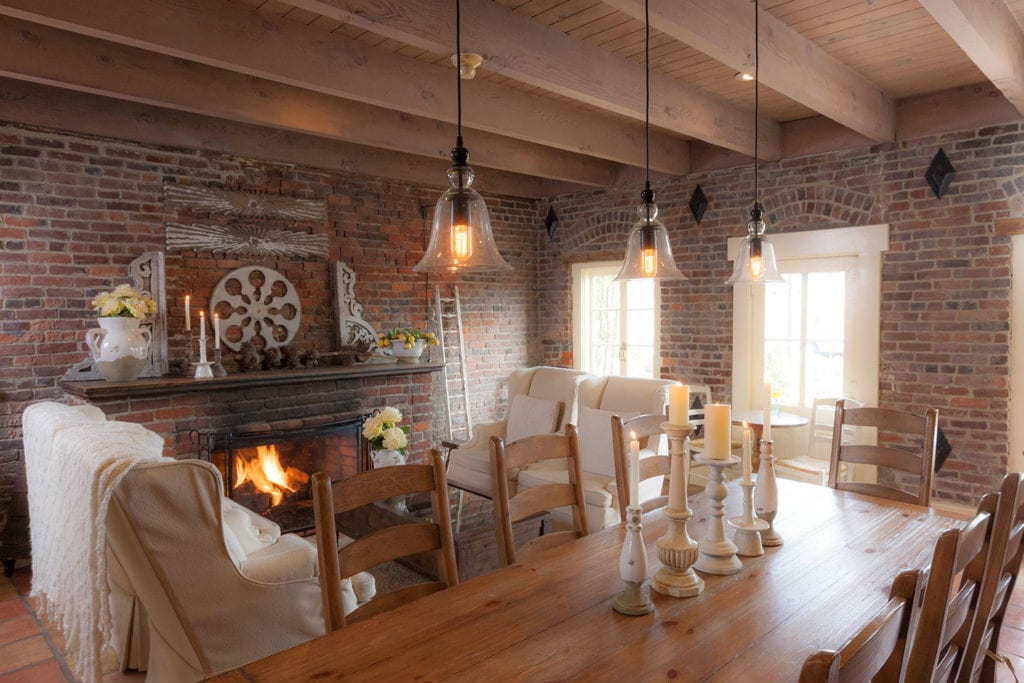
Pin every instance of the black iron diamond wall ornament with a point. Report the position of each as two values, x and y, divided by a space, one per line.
698 203
551 222
940 173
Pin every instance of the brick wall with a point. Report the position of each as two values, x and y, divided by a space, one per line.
945 281
75 211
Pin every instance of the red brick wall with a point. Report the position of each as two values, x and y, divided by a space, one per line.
74 212
945 282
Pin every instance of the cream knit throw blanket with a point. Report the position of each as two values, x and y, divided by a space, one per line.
73 462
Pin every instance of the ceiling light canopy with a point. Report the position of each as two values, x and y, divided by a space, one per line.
755 260
461 239
648 252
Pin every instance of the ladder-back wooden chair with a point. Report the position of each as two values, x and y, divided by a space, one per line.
878 649
386 544
813 465
511 506
941 624
647 429
998 581
917 458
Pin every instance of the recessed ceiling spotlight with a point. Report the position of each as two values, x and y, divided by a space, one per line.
744 76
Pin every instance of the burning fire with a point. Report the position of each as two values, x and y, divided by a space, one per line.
267 474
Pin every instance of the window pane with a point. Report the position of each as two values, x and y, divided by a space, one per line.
604 359
826 297
782 367
640 328
782 307
639 294
640 361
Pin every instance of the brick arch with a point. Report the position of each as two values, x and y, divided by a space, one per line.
603 228
819 205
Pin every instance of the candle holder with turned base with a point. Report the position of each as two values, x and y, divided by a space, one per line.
748 528
717 554
218 369
203 367
635 598
766 495
676 550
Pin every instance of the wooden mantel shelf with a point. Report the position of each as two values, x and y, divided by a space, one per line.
163 386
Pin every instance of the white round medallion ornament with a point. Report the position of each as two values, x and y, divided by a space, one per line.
258 305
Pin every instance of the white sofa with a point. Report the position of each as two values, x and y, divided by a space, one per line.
587 401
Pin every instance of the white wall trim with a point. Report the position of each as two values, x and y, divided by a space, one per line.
1015 412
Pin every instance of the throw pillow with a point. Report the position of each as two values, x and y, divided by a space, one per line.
528 416
597 455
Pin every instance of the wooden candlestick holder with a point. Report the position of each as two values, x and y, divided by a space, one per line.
676 550
635 598
748 528
717 554
766 496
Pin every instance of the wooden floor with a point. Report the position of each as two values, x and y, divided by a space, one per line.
32 651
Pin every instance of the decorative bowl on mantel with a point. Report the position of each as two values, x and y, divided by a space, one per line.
404 355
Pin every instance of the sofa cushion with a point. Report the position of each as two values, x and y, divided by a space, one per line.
640 394
557 384
597 454
290 558
595 486
529 416
251 531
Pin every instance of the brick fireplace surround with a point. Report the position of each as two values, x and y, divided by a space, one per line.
75 211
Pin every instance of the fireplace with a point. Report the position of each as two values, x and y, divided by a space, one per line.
268 469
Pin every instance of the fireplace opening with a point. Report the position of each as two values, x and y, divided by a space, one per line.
270 471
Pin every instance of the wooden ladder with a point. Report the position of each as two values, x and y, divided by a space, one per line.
459 419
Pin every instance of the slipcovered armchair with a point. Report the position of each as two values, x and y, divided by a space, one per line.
210 606
541 400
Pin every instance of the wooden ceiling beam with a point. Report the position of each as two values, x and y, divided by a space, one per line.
236 39
517 46
988 33
41 106
46 55
791 65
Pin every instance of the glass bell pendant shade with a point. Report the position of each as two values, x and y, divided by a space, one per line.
461 237
648 252
755 260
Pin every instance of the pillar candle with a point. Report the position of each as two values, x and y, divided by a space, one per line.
679 405
747 456
766 435
188 315
634 470
717 421
216 330
202 325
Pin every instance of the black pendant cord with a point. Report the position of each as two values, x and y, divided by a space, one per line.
460 155
757 99
647 196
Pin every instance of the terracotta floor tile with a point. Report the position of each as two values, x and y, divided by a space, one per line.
1003 672
17 628
20 654
12 608
1011 640
46 672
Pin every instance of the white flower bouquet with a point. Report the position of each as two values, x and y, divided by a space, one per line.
382 431
124 302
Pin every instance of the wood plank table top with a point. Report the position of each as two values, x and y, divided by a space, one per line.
552 618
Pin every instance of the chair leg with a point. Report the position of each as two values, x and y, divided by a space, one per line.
458 512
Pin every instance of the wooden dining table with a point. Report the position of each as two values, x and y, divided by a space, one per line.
551 618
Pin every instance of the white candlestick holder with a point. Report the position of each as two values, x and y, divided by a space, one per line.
717 554
748 528
676 550
635 598
766 495
203 367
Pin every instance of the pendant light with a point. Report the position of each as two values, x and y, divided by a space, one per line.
755 260
648 252
461 237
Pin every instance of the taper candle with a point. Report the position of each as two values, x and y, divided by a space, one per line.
679 405
747 456
202 325
634 470
188 314
717 423
216 330
766 434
